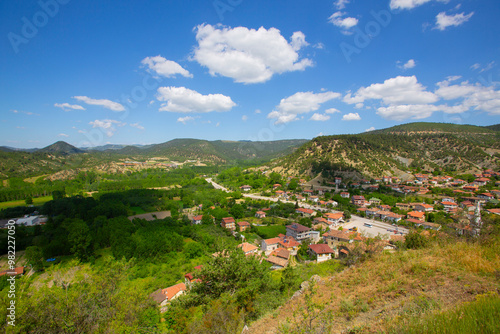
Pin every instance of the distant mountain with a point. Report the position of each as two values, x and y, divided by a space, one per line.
397 150
61 147
14 149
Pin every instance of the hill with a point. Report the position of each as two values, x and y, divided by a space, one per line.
397 150
495 127
60 147
219 151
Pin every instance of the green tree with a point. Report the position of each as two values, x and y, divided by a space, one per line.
34 257
28 200
80 239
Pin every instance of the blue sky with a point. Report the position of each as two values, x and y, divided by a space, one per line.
95 72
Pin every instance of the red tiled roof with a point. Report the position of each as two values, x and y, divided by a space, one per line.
321 249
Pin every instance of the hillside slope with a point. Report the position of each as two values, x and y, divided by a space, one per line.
390 290
427 146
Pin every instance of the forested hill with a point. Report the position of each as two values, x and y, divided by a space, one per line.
63 156
425 146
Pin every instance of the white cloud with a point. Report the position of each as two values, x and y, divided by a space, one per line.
372 128
444 21
185 119
63 135
244 118
300 103
82 131
340 4
402 112
67 106
319 117
359 105
398 90
115 106
164 67
407 4
108 125
137 126
182 99
332 111
452 92
29 113
258 111
319 46
351 117
248 55
475 66
409 64
345 23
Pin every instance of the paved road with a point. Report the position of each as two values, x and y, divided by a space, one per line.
274 199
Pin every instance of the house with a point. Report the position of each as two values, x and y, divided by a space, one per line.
243 226
482 181
289 243
280 193
314 198
334 218
260 214
277 262
393 217
331 203
449 206
424 207
404 206
245 188
228 223
372 211
276 185
416 215
196 220
248 248
268 245
322 252
189 277
338 180
164 296
495 211
300 232
333 237
13 272
344 194
305 212
375 201
28 220
431 226
358 200
282 253
486 196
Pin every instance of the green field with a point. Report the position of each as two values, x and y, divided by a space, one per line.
272 231
36 201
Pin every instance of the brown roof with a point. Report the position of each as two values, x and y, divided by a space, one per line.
227 220
277 261
298 227
321 249
272 241
243 224
337 215
247 247
172 291
337 234
281 252
304 210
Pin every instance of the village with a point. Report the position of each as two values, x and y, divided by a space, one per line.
333 234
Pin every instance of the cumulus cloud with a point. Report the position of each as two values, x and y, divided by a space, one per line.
344 23
185 119
182 99
444 21
351 117
319 117
409 64
372 128
299 103
398 90
164 67
407 4
67 106
332 111
115 106
137 126
63 135
107 125
248 55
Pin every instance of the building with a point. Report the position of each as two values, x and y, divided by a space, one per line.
196 220
416 215
245 188
423 207
271 244
243 226
322 252
260 214
334 219
189 277
300 232
228 223
305 212
164 296
248 248
358 200
344 194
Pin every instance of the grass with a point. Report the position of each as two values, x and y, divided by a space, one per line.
137 210
36 201
272 231
479 316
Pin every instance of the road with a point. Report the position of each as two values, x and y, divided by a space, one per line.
274 199
378 228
